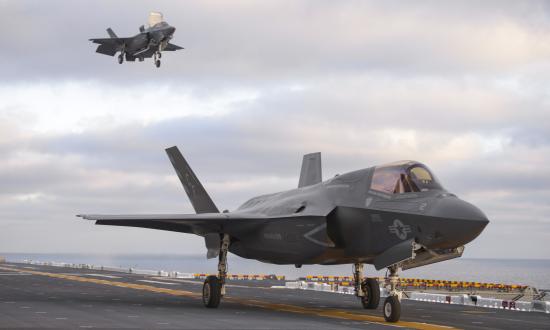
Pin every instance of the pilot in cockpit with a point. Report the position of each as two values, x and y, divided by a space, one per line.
403 177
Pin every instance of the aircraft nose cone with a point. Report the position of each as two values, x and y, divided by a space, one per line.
460 220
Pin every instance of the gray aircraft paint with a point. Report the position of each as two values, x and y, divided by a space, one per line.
148 43
337 221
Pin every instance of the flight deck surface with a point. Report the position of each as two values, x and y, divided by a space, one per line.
34 296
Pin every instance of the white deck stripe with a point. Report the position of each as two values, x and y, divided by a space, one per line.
158 282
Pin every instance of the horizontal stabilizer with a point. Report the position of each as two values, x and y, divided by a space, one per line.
201 201
111 33
311 170
172 47
107 49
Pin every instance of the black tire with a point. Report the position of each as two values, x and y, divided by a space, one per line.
371 290
392 309
157 63
211 292
120 59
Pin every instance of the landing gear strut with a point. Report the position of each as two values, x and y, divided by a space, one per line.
392 304
122 54
214 286
367 289
156 58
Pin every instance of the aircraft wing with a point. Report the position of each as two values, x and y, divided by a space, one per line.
109 46
209 225
172 47
111 41
199 224
234 223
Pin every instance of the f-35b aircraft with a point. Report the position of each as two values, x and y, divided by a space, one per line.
395 216
150 42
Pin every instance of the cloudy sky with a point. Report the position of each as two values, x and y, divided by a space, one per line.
461 86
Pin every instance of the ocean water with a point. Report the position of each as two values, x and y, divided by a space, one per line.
510 271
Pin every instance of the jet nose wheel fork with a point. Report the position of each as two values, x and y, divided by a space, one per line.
213 288
367 289
392 304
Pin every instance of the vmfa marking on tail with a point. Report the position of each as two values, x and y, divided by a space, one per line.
395 216
150 42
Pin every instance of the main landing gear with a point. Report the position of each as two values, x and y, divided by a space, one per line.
156 58
122 54
392 304
367 289
213 288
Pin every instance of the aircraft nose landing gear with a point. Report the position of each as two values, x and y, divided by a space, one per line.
392 304
392 309
213 288
120 58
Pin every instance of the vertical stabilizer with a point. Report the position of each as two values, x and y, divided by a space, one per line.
111 33
311 170
202 203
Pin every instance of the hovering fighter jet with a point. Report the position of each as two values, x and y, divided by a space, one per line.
395 216
150 42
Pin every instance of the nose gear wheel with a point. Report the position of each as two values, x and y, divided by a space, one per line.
392 304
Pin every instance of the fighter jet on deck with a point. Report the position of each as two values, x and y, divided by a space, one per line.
150 42
395 216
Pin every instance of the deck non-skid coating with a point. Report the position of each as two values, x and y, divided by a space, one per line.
50 297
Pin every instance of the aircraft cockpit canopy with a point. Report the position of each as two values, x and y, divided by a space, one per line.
404 177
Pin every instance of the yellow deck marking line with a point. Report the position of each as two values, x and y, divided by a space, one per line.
332 313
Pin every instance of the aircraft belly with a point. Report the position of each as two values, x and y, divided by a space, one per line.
137 44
